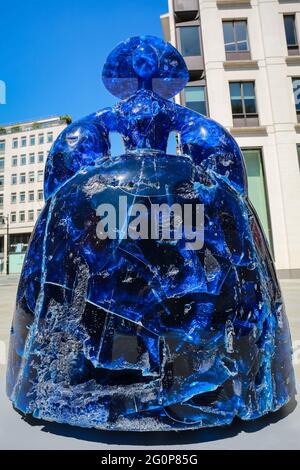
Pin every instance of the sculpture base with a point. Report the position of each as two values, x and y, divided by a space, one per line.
153 423
278 430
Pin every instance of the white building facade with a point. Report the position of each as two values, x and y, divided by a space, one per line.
23 151
244 63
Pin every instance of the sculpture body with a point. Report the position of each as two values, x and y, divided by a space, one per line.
145 334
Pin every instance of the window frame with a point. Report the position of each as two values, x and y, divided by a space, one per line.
237 55
201 85
265 182
297 110
23 174
31 174
292 49
40 176
29 214
41 160
22 197
244 119
195 25
22 213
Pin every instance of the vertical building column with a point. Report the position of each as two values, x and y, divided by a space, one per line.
5 254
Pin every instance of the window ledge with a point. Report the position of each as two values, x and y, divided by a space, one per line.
297 128
240 64
293 59
251 130
222 3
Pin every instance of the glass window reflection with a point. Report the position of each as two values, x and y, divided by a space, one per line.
190 41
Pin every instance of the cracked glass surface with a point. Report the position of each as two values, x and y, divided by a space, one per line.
146 335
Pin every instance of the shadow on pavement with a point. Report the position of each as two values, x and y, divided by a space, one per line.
162 438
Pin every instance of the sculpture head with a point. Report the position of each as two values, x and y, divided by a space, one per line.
145 62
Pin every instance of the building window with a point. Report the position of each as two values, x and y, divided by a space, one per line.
1 163
40 175
14 179
41 139
298 150
38 212
14 160
31 158
243 104
23 141
13 217
291 34
13 198
296 90
2 146
1 182
32 140
15 143
22 178
1 200
22 216
195 98
236 39
23 160
190 41
257 188
41 157
50 137
30 196
19 242
40 195
31 177
22 196
31 215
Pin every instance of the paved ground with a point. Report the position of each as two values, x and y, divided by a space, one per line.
277 431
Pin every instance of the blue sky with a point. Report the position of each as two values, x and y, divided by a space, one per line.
51 53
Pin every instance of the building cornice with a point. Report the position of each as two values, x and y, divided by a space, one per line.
30 126
248 131
235 3
240 64
293 60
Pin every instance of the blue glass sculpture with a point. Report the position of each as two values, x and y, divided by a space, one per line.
143 334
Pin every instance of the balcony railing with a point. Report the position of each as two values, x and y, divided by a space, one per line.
32 127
